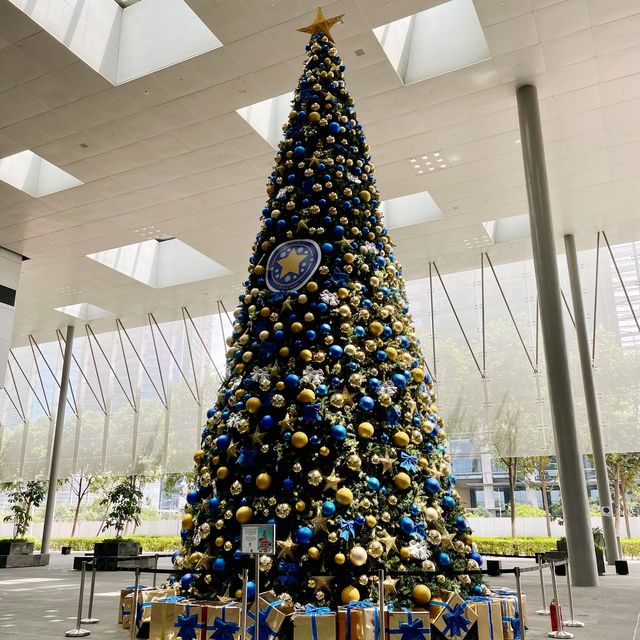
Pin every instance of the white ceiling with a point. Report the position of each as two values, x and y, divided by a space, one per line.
169 151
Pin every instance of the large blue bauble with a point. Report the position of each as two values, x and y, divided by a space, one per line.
192 496
186 580
366 403
174 556
443 559
267 422
214 503
304 535
211 413
373 484
461 523
448 502
328 508
287 484
407 525
299 152
399 380
338 431
222 442
474 555
335 350
251 589
334 127
476 590
219 564
322 390
291 381
431 485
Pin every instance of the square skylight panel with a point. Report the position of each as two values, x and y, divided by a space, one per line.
124 40
161 263
405 211
268 116
508 229
435 41
85 311
35 175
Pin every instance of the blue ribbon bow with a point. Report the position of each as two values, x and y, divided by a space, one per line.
187 625
413 630
347 528
264 630
409 462
223 630
456 622
313 610
170 599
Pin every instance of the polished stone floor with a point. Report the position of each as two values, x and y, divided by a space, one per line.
41 603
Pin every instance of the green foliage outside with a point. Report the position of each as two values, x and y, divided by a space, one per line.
125 503
149 543
23 499
529 546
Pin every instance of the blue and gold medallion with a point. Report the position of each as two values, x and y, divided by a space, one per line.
292 264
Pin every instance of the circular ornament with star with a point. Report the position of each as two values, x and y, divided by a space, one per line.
292 264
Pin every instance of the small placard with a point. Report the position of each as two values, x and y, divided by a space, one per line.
606 511
259 538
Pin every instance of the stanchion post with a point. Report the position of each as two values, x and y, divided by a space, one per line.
134 604
79 632
245 605
560 633
155 568
572 622
381 622
90 619
545 610
523 626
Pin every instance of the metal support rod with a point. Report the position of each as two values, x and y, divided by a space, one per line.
79 632
544 611
573 488
256 582
381 622
572 622
560 633
57 442
591 401
433 326
155 567
245 604
90 619
595 303
134 604
523 626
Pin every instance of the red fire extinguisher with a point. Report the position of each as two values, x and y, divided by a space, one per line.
555 612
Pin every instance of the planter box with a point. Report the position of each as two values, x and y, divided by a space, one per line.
561 545
116 548
115 554
16 548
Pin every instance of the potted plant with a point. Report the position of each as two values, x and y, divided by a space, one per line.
18 551
598 543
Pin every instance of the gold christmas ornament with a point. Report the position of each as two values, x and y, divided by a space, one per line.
349 594
400 439
299 439
244 515
375 549
344 496
365 430
253 405
187 522
357 556
339 558
402 480
263 481
421 594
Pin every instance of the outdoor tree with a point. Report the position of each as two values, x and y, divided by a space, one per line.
326 423
624 469
124 500
23 498
536 471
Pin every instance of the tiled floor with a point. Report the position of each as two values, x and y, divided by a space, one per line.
41 603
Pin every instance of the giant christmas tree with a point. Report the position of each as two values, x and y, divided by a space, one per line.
326 423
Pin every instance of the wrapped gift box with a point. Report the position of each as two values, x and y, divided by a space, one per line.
314 623
359 621
123 594
512 617
218 620
164 614
489 612
143 613
409 625
273 614
452 617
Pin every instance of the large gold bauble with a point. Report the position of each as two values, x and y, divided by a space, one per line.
431 514
187 521
365 430
358 556
375 328
306 396
222 473
339 558
253 404
313 552
401 439
417 374
344 496
198 455
263 481
299 439
421 594
402 480
349 594
244 515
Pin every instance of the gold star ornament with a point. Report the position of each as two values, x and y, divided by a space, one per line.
290 263
322 24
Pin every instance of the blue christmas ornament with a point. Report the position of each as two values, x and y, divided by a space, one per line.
186 580
174 556
476 590
219 564
211 413
192 496
366 403
338 431
448 502
214 503
299 152
267 422
373 483
431 485
335 351
334 128
461 523
222 442
399 380
322 390
291 381
304 535
251 589
407 525
287 484
328 508
443 559
477 557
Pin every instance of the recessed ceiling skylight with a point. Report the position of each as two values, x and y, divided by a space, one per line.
408 210
35 175
161 263
124 43
508 229
85 311
433 42
268 116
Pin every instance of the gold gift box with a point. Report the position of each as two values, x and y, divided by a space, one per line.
441 616
314 626
489 622
407 623
358 623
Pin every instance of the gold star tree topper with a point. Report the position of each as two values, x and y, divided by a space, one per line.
322 24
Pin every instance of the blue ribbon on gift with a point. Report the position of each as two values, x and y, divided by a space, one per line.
485 600
314 611
133 587
347 528
356 604
409 462
264 630
456 622
187 625
514 621
170 599
223 630
139 611
411 629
